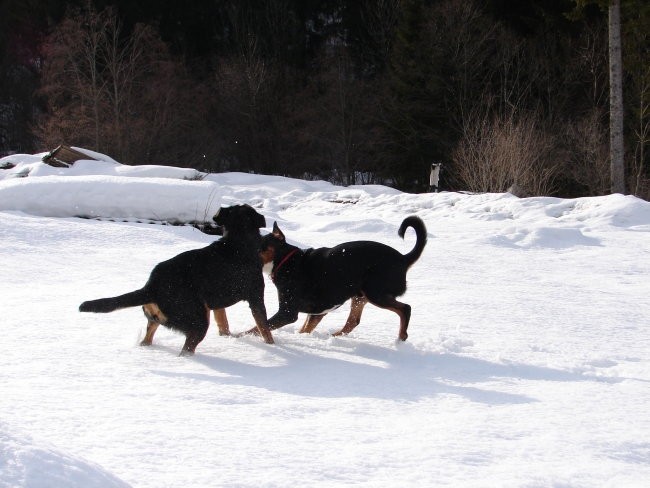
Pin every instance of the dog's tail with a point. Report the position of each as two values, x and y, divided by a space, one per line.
105 305
421 234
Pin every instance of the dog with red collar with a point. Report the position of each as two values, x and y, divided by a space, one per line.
317 281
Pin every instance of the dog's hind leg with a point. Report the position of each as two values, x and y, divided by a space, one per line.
191 341
404 313
402 309
155 317
151 330
310 323
222 321
356 308
197 328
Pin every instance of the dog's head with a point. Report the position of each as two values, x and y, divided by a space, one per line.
239 217
271 243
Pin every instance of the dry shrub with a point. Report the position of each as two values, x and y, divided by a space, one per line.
505 153
588 160
641 185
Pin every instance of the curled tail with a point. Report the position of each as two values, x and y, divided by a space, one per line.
105 305
421 234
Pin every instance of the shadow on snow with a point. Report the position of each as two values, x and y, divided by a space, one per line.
354 369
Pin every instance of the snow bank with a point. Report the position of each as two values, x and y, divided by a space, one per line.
112 197
107 189
23 462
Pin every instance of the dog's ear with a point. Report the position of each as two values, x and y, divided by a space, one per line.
250 215
221 217
261 221
277 232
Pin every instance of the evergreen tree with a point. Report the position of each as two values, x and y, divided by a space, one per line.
414 119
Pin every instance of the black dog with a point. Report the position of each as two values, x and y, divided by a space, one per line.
181 291
316 281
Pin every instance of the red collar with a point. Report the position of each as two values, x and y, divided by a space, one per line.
281 263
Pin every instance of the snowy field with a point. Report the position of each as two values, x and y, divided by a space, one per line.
527 364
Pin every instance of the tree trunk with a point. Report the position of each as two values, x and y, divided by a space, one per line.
616 151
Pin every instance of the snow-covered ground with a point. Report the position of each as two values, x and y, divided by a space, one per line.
527 364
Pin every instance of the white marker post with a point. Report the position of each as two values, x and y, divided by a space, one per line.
434 177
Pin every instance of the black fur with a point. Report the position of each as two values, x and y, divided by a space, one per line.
315 281
181 291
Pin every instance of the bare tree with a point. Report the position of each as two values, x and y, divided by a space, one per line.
247 91
592 61
637 64
119 92
471 41
328 122
642 134
71 82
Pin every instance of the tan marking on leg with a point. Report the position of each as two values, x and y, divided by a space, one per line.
154 318
153 313
403 323
310 323
265 332
222 321
262 325
404 312
151 330
356 308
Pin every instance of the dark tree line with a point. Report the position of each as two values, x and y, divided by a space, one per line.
507 94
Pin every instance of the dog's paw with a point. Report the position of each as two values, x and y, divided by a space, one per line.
266 335
249 332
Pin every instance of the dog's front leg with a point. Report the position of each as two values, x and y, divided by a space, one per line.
311 322
262 328
280 319
283 317
256 303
